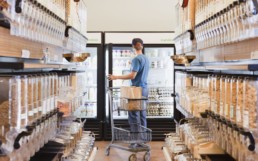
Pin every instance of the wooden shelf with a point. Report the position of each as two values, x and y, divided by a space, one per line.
220 67
38 65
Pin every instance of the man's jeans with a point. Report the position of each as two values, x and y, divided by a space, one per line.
138 117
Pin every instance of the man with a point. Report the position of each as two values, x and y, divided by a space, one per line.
138 77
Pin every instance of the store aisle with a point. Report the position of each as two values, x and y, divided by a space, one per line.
120 155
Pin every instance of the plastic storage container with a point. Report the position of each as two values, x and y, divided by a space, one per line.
222 95
217 94
16 102
240 101
227 98
5 106
251 105
35 97
40 108
233 99
24 101
30 100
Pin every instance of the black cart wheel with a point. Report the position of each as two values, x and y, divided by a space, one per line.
146 156
132 157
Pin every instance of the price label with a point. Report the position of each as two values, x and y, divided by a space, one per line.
25 53
254 55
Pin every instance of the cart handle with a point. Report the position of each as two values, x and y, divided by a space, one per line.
121 129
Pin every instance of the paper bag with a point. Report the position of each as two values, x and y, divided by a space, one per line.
131 92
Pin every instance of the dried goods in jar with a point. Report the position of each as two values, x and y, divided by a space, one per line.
240 101
24 101
40 96
30 100
222 95
217 95
35 97
210 91
4 120
15 102
227 98
233 100
251 104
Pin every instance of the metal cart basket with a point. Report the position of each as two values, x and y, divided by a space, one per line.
137 135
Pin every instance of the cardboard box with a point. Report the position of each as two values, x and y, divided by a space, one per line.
131 92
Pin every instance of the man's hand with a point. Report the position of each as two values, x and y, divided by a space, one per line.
111 77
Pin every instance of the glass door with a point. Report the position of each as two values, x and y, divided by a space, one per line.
121 58
160 82
121 65
89 110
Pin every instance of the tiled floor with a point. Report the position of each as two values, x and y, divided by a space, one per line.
120 155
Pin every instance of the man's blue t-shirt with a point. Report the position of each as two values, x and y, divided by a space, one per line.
140 64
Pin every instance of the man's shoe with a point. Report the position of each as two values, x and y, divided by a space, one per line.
132 146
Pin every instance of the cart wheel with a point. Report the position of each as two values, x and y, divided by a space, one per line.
107 151
132 157
146 156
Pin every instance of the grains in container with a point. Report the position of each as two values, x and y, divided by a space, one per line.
233 100
24 101
40 96
222 95
35 97
217 94
16 102
227 98
251 102
30 100
240 101
245 113
4 123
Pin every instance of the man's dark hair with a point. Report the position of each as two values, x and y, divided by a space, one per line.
136 40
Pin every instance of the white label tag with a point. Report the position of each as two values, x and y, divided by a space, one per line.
231 111
221 108
23 116
55 103
238 115
44 107
52 103
246 119
35 110
226 110
49 105
31 113
254 55
25 53
40 108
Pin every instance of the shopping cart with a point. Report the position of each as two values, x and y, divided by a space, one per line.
125 139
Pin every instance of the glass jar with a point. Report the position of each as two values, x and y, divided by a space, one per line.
30 99
35 97
40 110
251 104
227 98
24 101
16 102
217 94
222 95
233 99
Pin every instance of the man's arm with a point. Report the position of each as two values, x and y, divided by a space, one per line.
132 75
